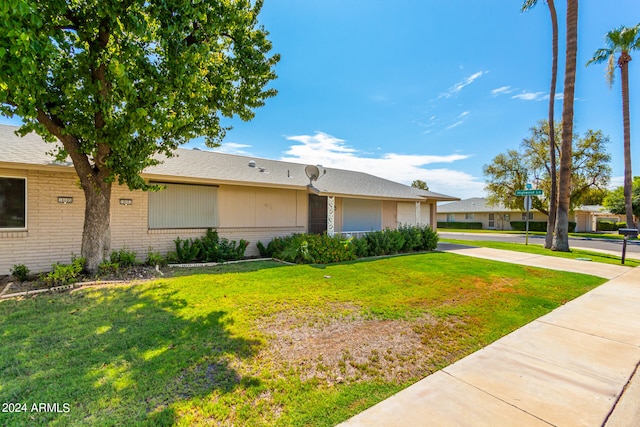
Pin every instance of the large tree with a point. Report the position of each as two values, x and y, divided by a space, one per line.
615 200
561 231
512 170
119 82
553 196
621 42
418 183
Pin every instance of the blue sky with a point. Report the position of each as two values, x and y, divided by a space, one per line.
424 89
431 90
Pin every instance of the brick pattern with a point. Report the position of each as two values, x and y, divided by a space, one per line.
54 230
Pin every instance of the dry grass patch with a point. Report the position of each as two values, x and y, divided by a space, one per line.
353 347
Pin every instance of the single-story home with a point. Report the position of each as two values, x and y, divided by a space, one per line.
499 217
42 204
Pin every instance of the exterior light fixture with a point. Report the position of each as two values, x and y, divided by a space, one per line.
126 202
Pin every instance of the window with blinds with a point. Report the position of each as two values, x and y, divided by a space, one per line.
183 206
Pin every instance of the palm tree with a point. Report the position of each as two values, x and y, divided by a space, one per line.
561 231
620 42
553 203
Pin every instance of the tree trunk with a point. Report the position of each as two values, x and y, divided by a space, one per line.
96 236
561 232
553 203
623 63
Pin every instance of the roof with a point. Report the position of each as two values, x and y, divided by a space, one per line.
475 204
199 165
480 205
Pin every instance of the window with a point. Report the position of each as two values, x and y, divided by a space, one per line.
183 206
468 216
451 217
361 215
524 216
13 203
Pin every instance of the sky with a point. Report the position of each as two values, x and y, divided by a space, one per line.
425 89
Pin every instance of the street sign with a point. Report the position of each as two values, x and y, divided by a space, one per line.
528 192
527 203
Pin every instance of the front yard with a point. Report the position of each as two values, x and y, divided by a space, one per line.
266 345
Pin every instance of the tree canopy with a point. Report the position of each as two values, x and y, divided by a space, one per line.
512 170
615 202
121 82
418 183
129 79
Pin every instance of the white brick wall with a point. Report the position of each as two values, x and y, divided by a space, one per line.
54 230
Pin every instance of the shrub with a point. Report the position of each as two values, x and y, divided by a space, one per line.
386 242
537 226
607 226
123 257
20 272
429 239
108 267
209 248
324 249
460 225
155 258
64 274
186 250
620 225
533 225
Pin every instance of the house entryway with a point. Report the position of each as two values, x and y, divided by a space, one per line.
317 214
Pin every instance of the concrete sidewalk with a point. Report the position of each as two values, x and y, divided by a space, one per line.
572 367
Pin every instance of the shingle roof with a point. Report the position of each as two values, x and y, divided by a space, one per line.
229 168
480 205
475 204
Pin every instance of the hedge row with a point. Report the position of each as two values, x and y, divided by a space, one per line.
324 249
460 225
610 225
537 226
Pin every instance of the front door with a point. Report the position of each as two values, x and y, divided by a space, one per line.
317 214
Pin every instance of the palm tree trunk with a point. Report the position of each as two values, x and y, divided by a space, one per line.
623 63
561 232
553 203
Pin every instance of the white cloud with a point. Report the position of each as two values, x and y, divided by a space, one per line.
530 96
461 85
558 97
330 151
232 148
464 114
501 90
456 124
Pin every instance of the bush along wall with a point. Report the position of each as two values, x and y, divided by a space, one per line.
324 249
208 248
537 226
460 225
610 225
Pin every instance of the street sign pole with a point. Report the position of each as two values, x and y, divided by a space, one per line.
527 205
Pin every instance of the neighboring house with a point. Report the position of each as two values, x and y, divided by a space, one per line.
499 218
42 205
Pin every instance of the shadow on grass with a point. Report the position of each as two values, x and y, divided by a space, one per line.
120 356
240 267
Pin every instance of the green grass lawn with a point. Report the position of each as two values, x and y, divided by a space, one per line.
539 250
261 343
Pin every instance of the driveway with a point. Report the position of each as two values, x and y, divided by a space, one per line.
606 245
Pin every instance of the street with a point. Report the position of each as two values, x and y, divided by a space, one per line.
598 245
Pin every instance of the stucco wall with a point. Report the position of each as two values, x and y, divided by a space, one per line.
500 223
